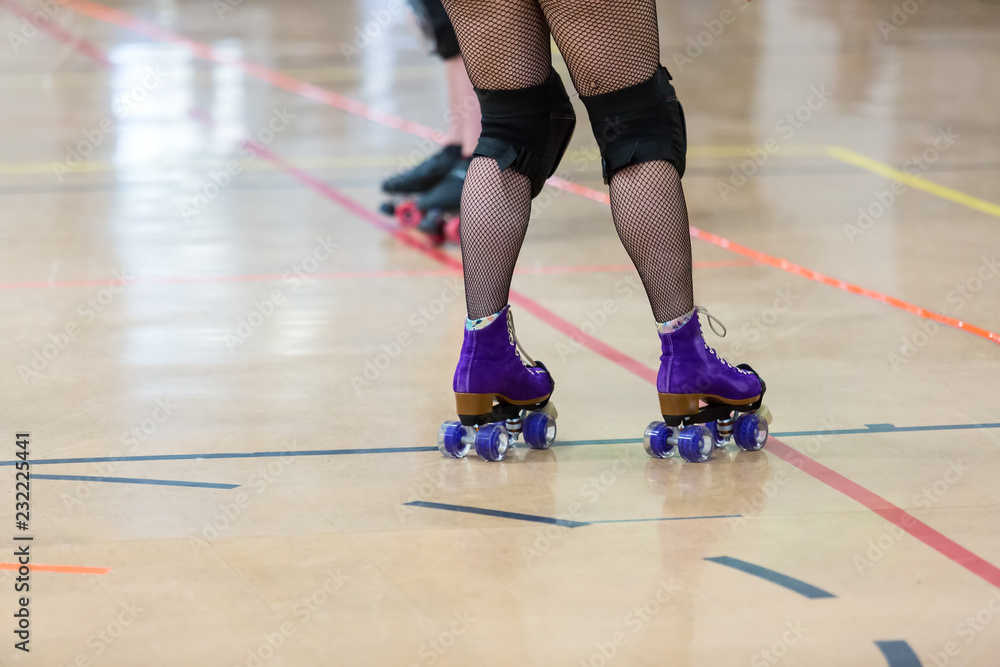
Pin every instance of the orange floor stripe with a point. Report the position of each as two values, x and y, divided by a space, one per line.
124 20
62 569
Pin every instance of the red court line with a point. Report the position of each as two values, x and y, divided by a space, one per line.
856 492
129 22
885 509
57 32
896 515
342 275
790 267
63 569
206 52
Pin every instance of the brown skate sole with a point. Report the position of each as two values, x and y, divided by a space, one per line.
682 405
481 404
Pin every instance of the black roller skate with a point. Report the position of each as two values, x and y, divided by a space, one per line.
409 187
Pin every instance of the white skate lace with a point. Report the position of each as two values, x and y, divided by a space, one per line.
518 350
712 322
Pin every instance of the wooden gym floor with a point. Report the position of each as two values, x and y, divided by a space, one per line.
233 381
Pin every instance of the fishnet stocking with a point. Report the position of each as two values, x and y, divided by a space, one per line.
650 214
607 46
495 210
505 42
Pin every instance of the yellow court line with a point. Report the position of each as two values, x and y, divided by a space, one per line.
737 150
918 182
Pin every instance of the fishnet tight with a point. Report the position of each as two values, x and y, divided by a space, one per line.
607 46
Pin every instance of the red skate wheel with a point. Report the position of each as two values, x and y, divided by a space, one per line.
451 229
408 214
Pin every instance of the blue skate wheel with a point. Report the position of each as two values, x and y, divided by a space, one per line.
717 439
750 432
491 442
695 443
539 430
655 440
450 440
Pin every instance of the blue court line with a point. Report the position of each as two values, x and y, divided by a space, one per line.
498 513
898 653
135 480
790 583
227 455
545 519
869 428
668 518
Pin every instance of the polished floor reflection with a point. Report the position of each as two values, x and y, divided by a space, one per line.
233 368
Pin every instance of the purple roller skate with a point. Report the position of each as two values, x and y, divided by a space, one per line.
691 373
500 393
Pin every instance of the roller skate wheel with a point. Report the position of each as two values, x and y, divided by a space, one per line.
718 440
539 430
655 440
408 214
550 410
387 208
451 230
695 443
750 432
492 442
764 413
431 223
450 440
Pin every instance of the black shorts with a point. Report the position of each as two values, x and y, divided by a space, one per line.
437 26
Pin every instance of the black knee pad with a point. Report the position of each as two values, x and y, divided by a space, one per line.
640 123
437 27
527 129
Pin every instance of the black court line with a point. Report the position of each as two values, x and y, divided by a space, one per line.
227 455
869 428
792 584
568 523
898 653
135 480
498 513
